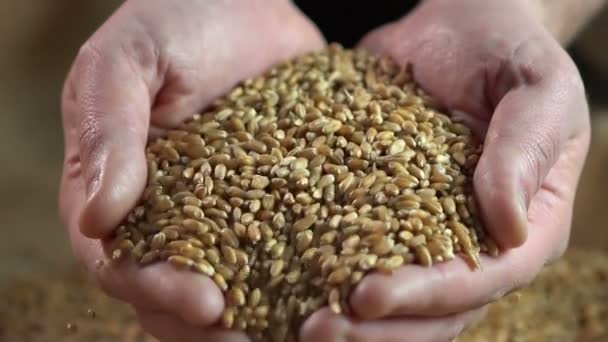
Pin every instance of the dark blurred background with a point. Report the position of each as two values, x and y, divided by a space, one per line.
39 39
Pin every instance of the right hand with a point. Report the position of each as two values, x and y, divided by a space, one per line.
149 67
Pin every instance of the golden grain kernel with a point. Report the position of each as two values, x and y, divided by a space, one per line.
334 301
149 257
339 275
158 241
180 262
304 223
254 298
228 318
204 267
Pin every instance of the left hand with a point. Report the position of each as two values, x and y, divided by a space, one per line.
504 75
152 64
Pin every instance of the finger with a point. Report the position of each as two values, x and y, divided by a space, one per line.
452 287
168 328
190 296
527 133
106 108
327 326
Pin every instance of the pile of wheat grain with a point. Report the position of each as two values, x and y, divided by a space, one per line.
300 182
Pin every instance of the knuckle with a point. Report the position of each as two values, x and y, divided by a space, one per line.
524 58
535 60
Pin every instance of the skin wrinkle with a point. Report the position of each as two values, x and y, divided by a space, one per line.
175 89
97 157
477 91
509 73
72 156
92 139
89 124
534 168
555 138
546 144
501 79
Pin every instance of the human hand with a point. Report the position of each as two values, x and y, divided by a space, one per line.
505 76
149 67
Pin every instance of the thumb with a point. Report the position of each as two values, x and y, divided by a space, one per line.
528 129
108 108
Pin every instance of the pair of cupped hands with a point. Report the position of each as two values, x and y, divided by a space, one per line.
156 62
